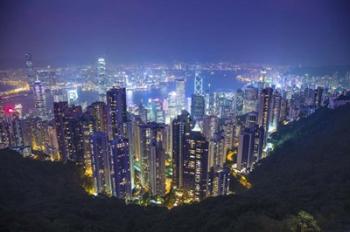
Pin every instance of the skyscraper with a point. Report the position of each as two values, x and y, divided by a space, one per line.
197 106
13 131
29 66
218 181
250 101
180 93
152 139
198 83
172 106
101 165
98 110
196 165
69 131
275 111
181 127
88 126
101 71
116 112
40 105
265 100
121 179
245 149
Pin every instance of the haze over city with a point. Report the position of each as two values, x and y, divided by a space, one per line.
314 32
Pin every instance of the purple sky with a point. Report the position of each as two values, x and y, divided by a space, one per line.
310 32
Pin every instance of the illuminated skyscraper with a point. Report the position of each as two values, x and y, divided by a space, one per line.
180 93
265 100
218 181
197 107
88 127
275 111
250 101
181 126
245 149
238 103
196 165
198 83
101 71
116 112
121 179
40 109
29 66
172 107
69 131
155 112
152 139
216 156
101 165
13 125
210 126
98 110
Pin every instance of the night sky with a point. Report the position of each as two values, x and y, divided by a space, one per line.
309 32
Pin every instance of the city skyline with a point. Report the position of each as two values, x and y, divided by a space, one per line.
175 115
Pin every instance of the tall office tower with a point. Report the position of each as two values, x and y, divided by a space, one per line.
153 157
29 66
250 147
72 96
156 112
319 97
197 107
210 126
198 83
88 127
226 105
196 165
172 107
39 98
142 113
98 110
181 126
250 101
238 105
228 130
101 71
15 130
35 133
216 155
52 146
101 163
116 112
245 149
218 181
180 93
49 100
275 112
265 100
121 178
69 131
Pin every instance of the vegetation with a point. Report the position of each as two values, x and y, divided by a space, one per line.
303 186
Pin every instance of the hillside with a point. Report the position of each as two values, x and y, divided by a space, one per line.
303 186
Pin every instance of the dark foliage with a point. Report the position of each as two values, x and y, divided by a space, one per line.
303 186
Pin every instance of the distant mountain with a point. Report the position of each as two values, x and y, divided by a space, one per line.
303 186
